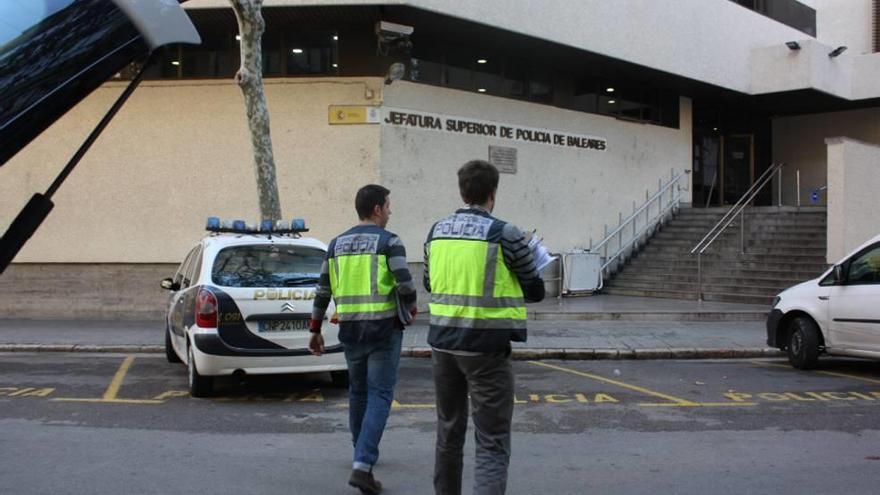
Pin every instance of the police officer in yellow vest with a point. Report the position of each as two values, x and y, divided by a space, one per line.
480 272
366 273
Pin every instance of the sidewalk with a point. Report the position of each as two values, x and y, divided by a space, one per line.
597 327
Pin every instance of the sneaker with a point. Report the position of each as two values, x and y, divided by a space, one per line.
364 481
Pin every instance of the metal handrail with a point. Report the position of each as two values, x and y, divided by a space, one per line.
737 209
636 236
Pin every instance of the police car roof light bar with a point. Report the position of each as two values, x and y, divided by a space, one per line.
297 226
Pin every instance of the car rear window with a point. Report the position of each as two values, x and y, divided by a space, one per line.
267 266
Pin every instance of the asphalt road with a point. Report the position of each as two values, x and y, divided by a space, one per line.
108 424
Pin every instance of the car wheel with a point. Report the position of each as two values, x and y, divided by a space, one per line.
803 343
339 378
170 353
199 386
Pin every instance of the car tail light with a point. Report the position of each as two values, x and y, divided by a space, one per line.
206 309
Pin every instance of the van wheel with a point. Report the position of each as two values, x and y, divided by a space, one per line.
170 353
339 378
803 343
199 386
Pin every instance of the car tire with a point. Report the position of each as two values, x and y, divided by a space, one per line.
339 378
170 353
803 343
199 386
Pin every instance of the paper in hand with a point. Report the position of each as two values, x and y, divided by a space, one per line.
539 252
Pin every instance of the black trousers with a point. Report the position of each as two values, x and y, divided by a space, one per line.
488 380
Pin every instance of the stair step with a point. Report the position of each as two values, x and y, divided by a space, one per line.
784 246
709 265
708 278
675 285
728 251
719 271
775 241
707 296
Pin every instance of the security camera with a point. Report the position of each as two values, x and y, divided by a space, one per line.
391 30
393 37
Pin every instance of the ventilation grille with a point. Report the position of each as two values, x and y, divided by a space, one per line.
876 25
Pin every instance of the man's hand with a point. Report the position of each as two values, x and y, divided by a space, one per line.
413 312
316 344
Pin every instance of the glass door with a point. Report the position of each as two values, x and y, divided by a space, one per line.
737 166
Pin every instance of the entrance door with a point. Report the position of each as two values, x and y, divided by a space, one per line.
737 166
707 168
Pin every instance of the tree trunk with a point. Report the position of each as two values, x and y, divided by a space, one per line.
250 79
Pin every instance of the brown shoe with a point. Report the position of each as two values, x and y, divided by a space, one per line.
364 481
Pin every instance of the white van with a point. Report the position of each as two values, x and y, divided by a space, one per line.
837 313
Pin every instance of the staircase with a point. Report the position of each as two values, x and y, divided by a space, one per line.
784 246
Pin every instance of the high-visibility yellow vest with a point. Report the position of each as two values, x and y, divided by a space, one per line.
471 286
362 284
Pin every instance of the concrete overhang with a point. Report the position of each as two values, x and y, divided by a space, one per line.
777 68
703 48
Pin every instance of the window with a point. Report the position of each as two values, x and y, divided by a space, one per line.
865 268
180 276
458 69
541 86
476 69
310 52
267 266
192 274
285 53
53 55
789 12
217 56
516 75
487 75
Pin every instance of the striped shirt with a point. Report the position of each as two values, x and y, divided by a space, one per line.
517 256
395 253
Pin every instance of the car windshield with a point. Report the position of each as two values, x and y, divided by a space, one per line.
267 265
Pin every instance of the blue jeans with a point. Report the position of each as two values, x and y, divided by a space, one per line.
372 374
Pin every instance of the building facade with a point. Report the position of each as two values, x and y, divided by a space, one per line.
587 108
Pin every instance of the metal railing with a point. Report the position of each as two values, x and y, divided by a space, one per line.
627 246
728 218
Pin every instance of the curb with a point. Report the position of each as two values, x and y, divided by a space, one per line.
519 354
527 354
695 316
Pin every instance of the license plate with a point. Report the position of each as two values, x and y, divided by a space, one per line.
283 325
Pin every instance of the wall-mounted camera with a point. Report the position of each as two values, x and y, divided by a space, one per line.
393 37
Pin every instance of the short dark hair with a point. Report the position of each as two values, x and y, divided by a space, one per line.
477 180
368 197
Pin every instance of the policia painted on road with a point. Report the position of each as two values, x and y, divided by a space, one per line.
479 271
366 273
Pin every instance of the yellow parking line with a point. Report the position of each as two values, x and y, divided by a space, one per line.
113 389
676 401
829 373
110 395
698 404
110 401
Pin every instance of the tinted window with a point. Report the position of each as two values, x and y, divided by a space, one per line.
53 53
192 273
865 268
267 266
180 276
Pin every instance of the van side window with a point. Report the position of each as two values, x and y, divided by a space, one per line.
865 267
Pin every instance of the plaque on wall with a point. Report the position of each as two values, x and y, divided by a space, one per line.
503 158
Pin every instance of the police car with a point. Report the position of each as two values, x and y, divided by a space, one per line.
837 313
241 302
